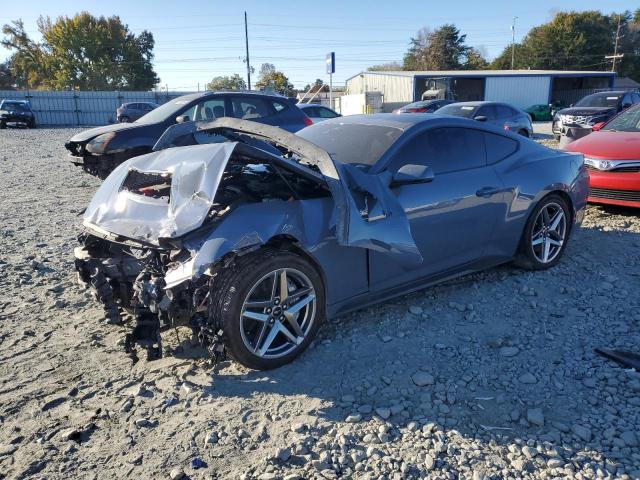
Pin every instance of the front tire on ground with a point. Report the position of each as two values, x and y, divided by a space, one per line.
270 304
545 235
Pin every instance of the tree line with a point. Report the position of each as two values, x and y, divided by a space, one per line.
570 41
86 52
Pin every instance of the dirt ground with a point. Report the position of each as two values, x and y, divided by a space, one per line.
493 375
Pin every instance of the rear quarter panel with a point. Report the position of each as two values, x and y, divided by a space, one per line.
528 176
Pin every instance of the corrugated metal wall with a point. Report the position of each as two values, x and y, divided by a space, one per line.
82 108
397 90
521 91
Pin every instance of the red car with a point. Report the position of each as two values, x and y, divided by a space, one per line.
612 156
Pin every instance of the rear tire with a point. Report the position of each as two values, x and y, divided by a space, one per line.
557 137
3 125
124 119
524 133
249 305
545 236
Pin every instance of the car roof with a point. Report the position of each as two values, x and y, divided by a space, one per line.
403 121
211 93
306 105
26 102
478 103
612 92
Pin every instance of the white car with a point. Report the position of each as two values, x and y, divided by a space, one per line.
317 113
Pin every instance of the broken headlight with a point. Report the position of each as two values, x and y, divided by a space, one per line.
100 144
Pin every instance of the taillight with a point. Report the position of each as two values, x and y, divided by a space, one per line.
506 127
307 121
417 110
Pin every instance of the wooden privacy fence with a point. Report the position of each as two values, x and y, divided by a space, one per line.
82 108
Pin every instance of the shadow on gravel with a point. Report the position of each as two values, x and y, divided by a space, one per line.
505 356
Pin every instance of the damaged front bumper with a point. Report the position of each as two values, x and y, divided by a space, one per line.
130 284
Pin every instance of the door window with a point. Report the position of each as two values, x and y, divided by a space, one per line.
445 150
206 110
249 108
326 113
488 111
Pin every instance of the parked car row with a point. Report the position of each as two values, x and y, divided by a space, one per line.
252 235
500 114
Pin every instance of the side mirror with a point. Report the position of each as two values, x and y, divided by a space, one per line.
598 126
182 118
413 174
480 118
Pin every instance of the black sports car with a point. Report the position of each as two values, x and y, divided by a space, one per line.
17 112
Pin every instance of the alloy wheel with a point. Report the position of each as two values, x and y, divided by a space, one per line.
549 231
278 313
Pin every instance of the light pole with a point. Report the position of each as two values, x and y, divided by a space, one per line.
513 43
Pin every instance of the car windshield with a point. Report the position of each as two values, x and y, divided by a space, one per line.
628 121
164 111
599 100
457 110
19 106
350 142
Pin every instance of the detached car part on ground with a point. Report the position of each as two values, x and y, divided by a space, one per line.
254 241
99 150
17 112
612 156
577 121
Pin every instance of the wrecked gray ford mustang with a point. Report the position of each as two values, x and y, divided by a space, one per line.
251 235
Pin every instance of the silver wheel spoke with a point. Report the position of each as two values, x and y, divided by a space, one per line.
545 217
296 307
546 248
284 286
263 330
259 304
291 320
274 287
273 333
260 317
554 242
285 331
537 239
555 221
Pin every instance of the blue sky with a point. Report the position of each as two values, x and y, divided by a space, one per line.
197 40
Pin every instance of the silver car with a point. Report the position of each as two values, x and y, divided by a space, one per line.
502 115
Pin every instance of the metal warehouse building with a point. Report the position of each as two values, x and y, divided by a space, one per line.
521 88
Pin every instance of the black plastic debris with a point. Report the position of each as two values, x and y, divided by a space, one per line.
623 357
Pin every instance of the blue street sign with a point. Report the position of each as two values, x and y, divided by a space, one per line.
331 62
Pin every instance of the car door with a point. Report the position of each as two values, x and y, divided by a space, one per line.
452 217
488 111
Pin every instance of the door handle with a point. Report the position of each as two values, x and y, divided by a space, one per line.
487 191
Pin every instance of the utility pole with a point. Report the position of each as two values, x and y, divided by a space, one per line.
513 42
615 55
246 42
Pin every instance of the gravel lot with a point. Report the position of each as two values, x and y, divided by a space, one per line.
489 376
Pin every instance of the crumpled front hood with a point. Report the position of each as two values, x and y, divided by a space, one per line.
195 175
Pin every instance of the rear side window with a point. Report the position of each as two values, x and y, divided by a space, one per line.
488 111
326 113
504 111
278 106
445 150
499 147
310 111
249 108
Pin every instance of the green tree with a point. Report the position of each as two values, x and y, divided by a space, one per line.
229 82
270 78
475 60
8 81
571 41
385 67
82 52
629 65
440 49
